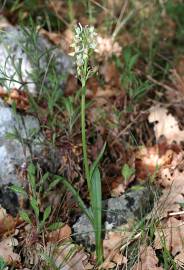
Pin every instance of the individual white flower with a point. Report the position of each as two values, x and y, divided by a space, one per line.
79 60
93 46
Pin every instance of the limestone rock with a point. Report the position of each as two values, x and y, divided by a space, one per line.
116 211
13 152
25 58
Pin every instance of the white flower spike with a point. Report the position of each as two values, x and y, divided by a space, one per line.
84 44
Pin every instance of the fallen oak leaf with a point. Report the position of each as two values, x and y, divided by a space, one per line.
117 189
6 251
172 196
55 38
179 259
119 259
148 259
67 256
148 161
171 235
113 242
166 125
115 238
60 234
7 222
106 47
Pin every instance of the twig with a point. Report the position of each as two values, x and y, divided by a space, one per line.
120 17
151 79
179 213
130 124
130 241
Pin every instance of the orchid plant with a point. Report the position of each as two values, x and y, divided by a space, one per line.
84 46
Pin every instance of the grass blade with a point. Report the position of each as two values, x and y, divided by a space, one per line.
78 200
95 163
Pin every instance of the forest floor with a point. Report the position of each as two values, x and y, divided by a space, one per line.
135 104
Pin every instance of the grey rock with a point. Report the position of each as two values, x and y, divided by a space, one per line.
116 211
24 60
14 152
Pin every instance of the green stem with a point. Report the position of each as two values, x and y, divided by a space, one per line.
84 143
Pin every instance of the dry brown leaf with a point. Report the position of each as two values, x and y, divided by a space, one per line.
68 256
148 161
179 259
60 234
6 251
172 178
67 40
14 95
117 189
165 125
89 266
110 73
113 240
108 265
119 259
106 47
62 40
171 235
4 22
7 222
148 260
71 85
55 38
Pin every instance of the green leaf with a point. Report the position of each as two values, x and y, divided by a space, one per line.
53 184
47 213
14 107
11 136
31 177
43 179
25 217
127 172
45 176
133 61
31 169
181 205
2 263
96 202
127 55
18 189
35 207
55 226
78 199
45 216
33 103
96 162
137 187
141 90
